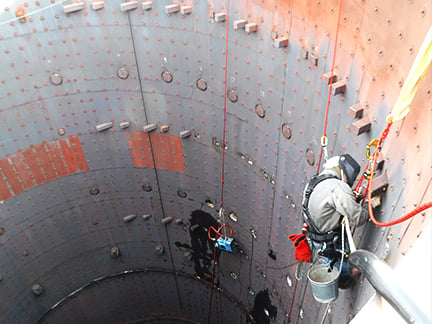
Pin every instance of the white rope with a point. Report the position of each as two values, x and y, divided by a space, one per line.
221 215
350 238
324 142
343 245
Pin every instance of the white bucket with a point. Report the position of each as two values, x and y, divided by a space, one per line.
324 283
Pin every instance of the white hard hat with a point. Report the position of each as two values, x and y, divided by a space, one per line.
332 163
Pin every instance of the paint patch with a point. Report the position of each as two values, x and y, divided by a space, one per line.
201 246
39 164
168 152
164 152
263 310
139 149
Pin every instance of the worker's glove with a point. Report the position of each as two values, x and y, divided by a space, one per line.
302 250
375 201
359 198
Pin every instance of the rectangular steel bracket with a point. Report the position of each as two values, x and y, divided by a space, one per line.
130 5
360 126
172 8
379 161
220 16
327 78
147 5
356 111
305 53
97 5
149 128
72 7
239 24
379 184
251 28
281 42
186 10
313 59
338 87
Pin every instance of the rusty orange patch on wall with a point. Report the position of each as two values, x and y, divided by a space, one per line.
39 164
167 151
139 149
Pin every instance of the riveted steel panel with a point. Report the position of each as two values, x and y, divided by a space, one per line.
60 78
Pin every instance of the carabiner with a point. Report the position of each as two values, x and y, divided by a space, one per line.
372 143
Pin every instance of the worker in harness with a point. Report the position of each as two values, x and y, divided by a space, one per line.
327 198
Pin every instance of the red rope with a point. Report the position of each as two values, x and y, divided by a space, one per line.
358 185
225 105
211 285
414 212
331 82
223 161
218 233
357 189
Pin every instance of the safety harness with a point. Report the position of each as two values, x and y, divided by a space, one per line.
329 239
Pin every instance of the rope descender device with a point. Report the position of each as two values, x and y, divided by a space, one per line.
324 142
367 173
373 143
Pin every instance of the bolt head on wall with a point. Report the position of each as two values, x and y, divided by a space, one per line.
259 110
233 216
147 187
232 96
253 232
201 84
94 191
115 252
286 131
146 217
181 193
37 289
310 157
159 249
56 78
123 73
167 76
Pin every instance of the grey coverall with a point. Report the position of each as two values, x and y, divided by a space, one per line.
332 198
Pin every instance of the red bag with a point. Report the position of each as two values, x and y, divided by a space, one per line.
302 250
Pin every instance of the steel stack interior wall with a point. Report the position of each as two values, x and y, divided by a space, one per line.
71 192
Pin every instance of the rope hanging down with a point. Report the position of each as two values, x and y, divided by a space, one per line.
369 192
324 137
324 142
401 108
223 166
218 233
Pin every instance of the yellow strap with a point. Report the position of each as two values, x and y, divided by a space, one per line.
417 72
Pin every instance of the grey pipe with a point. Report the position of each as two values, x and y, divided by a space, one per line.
384 280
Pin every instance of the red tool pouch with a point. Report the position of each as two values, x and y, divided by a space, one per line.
302 250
